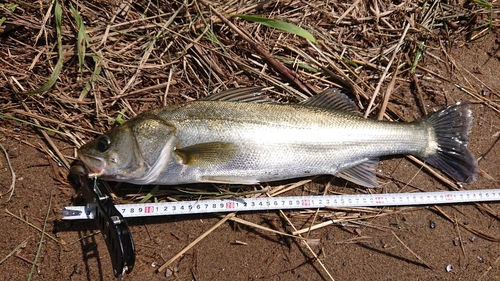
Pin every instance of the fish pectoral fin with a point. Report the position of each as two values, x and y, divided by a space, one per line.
229 180
207 154
249 94
333 98
362 174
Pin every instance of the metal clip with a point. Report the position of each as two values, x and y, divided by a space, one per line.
113 226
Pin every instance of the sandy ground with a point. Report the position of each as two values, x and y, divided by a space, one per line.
353 251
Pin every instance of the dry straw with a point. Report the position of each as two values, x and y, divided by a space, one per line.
106 62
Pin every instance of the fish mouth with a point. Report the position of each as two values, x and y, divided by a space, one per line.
89 165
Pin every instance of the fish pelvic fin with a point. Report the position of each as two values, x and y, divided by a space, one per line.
448 150
363 174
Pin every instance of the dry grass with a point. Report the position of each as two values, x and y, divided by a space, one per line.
122 58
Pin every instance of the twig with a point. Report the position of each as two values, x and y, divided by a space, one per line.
488 270
41 239
431 170
44 22
54 121
387 95
196 241
62 158
420 94
168 86
295 185
148 52
413 253
292 76
459 236
468 228
13 175
308 247
251 224
384 75
22 245
35 227
347 11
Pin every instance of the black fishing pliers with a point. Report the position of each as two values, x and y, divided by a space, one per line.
110 221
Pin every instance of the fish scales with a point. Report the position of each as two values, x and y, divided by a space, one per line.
248 143
271 136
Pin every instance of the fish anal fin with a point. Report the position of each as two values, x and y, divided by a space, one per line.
332 98
363 174
206 154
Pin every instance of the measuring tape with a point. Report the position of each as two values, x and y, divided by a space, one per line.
290 202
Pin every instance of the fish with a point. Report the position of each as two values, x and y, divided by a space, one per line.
241 136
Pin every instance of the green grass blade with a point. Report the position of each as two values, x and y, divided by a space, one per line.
41 242
281 25
82 37
418 56
58 67
119 119
11 8
5 116
150 194
93 78
483 3
300 65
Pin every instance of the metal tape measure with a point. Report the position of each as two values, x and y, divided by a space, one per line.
290 202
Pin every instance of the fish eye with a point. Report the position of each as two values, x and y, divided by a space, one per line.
103 143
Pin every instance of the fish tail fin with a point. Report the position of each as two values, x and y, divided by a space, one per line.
451 128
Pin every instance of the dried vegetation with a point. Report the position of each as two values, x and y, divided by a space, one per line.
110 60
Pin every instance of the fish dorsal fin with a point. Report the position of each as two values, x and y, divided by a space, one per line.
207 154
250 94
332 98
362 174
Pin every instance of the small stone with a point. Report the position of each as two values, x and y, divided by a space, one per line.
449 268
168 273
432 224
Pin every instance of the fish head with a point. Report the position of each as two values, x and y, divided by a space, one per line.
135 152
111 156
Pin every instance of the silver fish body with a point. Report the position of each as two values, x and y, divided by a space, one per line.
247 143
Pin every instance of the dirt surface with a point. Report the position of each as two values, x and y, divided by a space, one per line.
365 249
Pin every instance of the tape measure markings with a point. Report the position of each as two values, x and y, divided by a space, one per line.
291 202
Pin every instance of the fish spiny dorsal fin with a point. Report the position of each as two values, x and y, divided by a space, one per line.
362 174
332 98
250 94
